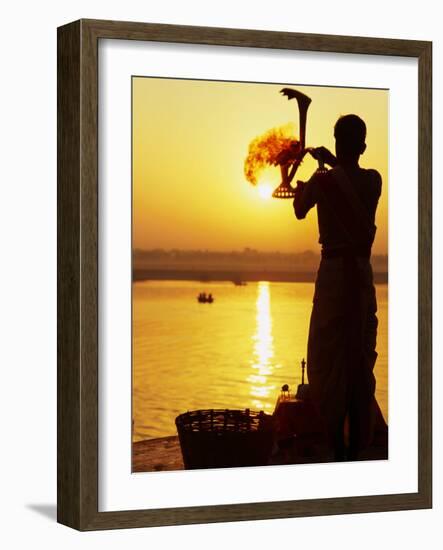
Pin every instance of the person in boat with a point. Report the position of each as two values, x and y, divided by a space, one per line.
343 324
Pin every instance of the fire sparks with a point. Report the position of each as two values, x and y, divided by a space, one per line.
276 146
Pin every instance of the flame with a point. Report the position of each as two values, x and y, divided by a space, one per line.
276 146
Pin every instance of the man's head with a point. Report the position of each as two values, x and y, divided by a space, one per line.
350 136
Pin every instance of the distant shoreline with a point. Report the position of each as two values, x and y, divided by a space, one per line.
206 276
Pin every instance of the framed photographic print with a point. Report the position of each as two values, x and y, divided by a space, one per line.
244 274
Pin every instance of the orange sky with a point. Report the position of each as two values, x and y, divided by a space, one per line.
190 140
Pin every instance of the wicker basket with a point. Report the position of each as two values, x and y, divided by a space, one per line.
218 438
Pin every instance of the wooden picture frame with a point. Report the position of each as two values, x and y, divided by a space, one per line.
77 457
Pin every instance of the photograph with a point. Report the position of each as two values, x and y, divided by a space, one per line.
259 274
244 274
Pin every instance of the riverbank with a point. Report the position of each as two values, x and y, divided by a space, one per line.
157 455
164 454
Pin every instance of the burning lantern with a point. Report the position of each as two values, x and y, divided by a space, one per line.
277 148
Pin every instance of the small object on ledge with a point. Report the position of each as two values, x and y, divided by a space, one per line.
303 389
285 392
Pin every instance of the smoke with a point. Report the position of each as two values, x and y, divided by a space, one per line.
274 147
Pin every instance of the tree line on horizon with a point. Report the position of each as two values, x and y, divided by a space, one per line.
304 260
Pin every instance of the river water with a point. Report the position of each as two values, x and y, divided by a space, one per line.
234 353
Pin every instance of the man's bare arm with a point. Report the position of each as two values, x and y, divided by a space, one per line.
305 197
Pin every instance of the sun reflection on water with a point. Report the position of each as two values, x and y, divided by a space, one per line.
263 351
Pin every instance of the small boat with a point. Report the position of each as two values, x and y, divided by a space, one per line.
239 282
204 298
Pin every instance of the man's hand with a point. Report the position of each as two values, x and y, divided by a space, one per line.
321 153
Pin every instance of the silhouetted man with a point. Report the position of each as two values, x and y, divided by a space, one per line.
343 326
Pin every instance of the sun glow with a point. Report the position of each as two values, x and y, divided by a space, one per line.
264 190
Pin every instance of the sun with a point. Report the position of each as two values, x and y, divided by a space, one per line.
264 190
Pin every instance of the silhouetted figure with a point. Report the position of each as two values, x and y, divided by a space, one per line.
343 326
